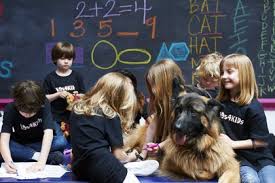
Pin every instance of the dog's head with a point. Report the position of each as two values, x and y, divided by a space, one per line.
195 117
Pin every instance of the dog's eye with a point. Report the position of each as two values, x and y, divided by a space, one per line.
193 113
178 110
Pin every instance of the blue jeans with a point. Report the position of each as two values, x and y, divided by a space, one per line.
24 152
265 175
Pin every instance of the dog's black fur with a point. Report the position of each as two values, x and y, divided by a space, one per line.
189 111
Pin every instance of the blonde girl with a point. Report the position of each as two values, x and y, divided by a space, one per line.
97 123
244 119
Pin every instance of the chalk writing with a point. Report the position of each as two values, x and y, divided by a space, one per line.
204 28
118 56
5 69
240 20
164 53
207 21
105 28
263 53
177 52
111 9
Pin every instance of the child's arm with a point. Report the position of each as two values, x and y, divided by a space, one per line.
45 149
6 154
54 96
243 144
149 135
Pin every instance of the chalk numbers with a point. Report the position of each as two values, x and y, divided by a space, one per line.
79 29
85 11
152 23
105 27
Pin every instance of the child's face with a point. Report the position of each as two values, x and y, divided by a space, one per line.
27 115
208 82
64 63
230 77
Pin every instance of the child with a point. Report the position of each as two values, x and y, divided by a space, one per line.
159 81
97 123
142 107
27 131
208 73
244 119
59 83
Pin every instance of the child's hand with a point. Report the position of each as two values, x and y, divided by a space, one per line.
152 147
10 167
63 94
37 166
226 139
132 155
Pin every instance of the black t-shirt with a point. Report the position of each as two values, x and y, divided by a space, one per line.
54 83
212 92
92 137
247 122
27 130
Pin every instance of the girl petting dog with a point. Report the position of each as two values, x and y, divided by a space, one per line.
98 121
244 119
159 80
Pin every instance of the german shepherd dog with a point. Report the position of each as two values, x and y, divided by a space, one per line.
194 148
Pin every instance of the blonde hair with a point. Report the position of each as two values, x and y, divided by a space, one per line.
113 95
248 85
209 66
159 80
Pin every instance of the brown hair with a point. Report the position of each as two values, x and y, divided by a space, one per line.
248 85
159 80
63 50
28 96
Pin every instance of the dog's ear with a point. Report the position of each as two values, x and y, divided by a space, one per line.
214 108
215 105
177 88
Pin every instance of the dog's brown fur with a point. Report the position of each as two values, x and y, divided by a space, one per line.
216 159
136 138
209 158
202 155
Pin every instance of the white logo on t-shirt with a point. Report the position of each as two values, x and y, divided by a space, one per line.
31 125
65 88
231 118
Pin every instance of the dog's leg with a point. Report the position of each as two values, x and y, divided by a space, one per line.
204 175
135 139
230 172
169 169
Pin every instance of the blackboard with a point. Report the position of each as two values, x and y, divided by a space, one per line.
133 34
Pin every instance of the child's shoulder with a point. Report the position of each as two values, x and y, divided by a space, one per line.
255 105
10 108
74 72
51 74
